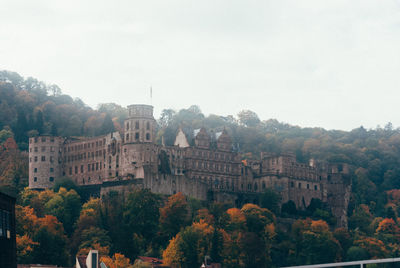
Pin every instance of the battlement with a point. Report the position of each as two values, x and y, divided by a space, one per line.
140 111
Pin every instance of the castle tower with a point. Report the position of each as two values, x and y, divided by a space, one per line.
44 161
140 126
139 147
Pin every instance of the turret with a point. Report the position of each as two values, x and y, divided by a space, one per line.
140 126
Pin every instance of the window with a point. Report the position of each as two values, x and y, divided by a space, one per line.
43 158
315 187
88 167
81 168
137 125
52 139
51 159
136 135
148 136
30 159
51 169
127 137
291 184
127 126
36 149
70 170
76 169
308 186
43 139
97 166
51 179
148 126
35 170
36 158
51 149
35 179
36 139
299 184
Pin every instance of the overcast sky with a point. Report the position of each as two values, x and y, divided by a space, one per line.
326 63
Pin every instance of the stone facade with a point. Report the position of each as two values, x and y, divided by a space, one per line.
208 170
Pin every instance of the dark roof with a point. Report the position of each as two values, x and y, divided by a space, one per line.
153 261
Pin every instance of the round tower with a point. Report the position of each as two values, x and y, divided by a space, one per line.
140 126
44 161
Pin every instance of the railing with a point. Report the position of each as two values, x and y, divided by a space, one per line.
350 263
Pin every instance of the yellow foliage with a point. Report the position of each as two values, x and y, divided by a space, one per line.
171 254
117 261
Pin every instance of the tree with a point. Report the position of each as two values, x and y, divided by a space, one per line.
174 215
270 200
117 261
248 118
107 125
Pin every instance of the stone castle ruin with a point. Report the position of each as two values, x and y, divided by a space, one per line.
208 170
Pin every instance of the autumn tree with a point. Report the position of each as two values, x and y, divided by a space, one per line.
174 215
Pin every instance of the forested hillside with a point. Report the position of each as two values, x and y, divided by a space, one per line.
243 237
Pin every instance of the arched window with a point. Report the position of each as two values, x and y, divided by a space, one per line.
263 185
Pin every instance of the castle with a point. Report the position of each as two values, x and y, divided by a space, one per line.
207 170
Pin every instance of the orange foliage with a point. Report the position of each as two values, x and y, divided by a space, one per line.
171 254
117 261
319 226
375 247
25 245
103 251
204 214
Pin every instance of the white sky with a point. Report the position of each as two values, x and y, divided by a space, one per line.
328 63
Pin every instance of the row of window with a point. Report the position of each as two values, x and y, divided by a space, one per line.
92 155
35 170
90 168
43 159
213 166
51 179
137 136
137 125
5 223
43 139
300 186
84 146
216 156
43 149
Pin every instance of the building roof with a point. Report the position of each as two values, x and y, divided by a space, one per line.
155 262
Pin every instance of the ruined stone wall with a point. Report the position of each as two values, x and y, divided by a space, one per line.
172 184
